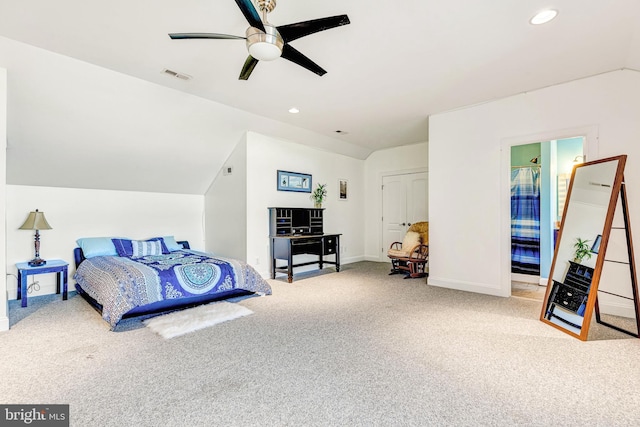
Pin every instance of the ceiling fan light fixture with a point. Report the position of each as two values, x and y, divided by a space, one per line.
265 42
264 46
264 51
544 16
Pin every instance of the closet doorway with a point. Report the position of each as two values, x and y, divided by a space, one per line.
540 174
404 201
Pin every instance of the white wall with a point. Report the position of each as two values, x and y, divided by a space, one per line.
401 159
74 213
226 207
358 218
469 167
4 314
266 155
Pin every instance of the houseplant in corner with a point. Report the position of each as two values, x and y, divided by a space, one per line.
582 250
319 194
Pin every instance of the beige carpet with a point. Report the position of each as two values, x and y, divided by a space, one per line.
355 348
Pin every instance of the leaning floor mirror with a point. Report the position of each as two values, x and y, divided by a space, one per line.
595 196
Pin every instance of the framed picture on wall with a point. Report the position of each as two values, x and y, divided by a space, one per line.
343 193
294 181
596 244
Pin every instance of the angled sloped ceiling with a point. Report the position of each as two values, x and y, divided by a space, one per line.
73 124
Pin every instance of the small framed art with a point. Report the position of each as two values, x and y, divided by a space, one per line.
294 181
343 189
596 244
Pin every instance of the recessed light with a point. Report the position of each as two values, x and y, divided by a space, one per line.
294 110
543 17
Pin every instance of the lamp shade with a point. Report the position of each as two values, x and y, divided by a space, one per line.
36 221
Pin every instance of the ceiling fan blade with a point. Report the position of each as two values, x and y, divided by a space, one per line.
248 67
296 57
300 29
178 36
250 13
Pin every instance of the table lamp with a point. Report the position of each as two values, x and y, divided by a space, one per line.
36 221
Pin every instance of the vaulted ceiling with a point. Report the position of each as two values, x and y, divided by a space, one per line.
396 64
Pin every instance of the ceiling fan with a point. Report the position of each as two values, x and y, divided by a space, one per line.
267 42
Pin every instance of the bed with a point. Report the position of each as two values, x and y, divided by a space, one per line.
123 278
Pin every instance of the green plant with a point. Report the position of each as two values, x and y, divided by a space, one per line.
582 249
319 193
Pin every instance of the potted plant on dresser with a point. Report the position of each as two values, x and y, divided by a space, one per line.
582 250
319 194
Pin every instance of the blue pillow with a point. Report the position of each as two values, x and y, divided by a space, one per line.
171 243
123 247
96 246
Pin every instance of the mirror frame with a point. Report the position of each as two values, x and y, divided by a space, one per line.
606 231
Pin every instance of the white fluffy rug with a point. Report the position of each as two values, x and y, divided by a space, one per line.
185 321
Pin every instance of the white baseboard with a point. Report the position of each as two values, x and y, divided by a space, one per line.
351 260
615 309
480 288
4 324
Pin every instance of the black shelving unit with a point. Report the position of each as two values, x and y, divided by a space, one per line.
315 221
280 221
571 294
295 221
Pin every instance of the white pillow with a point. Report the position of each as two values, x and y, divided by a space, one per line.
145 248
411 239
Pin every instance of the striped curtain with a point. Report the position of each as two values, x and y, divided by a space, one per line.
525 221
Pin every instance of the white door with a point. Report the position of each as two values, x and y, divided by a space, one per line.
417 197
404 201
394 210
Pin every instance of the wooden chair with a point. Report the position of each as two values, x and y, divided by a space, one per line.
411 256
417 263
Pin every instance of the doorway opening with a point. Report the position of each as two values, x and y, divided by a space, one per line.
540 174
405 200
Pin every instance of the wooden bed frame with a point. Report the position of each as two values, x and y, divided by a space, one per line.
163 306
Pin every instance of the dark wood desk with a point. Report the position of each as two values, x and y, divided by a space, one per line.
286 246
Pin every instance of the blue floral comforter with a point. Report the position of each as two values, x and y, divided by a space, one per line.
121 284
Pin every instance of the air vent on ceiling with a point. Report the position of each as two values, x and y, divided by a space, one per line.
177 75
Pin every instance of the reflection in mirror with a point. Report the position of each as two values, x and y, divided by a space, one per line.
618 305
582 241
